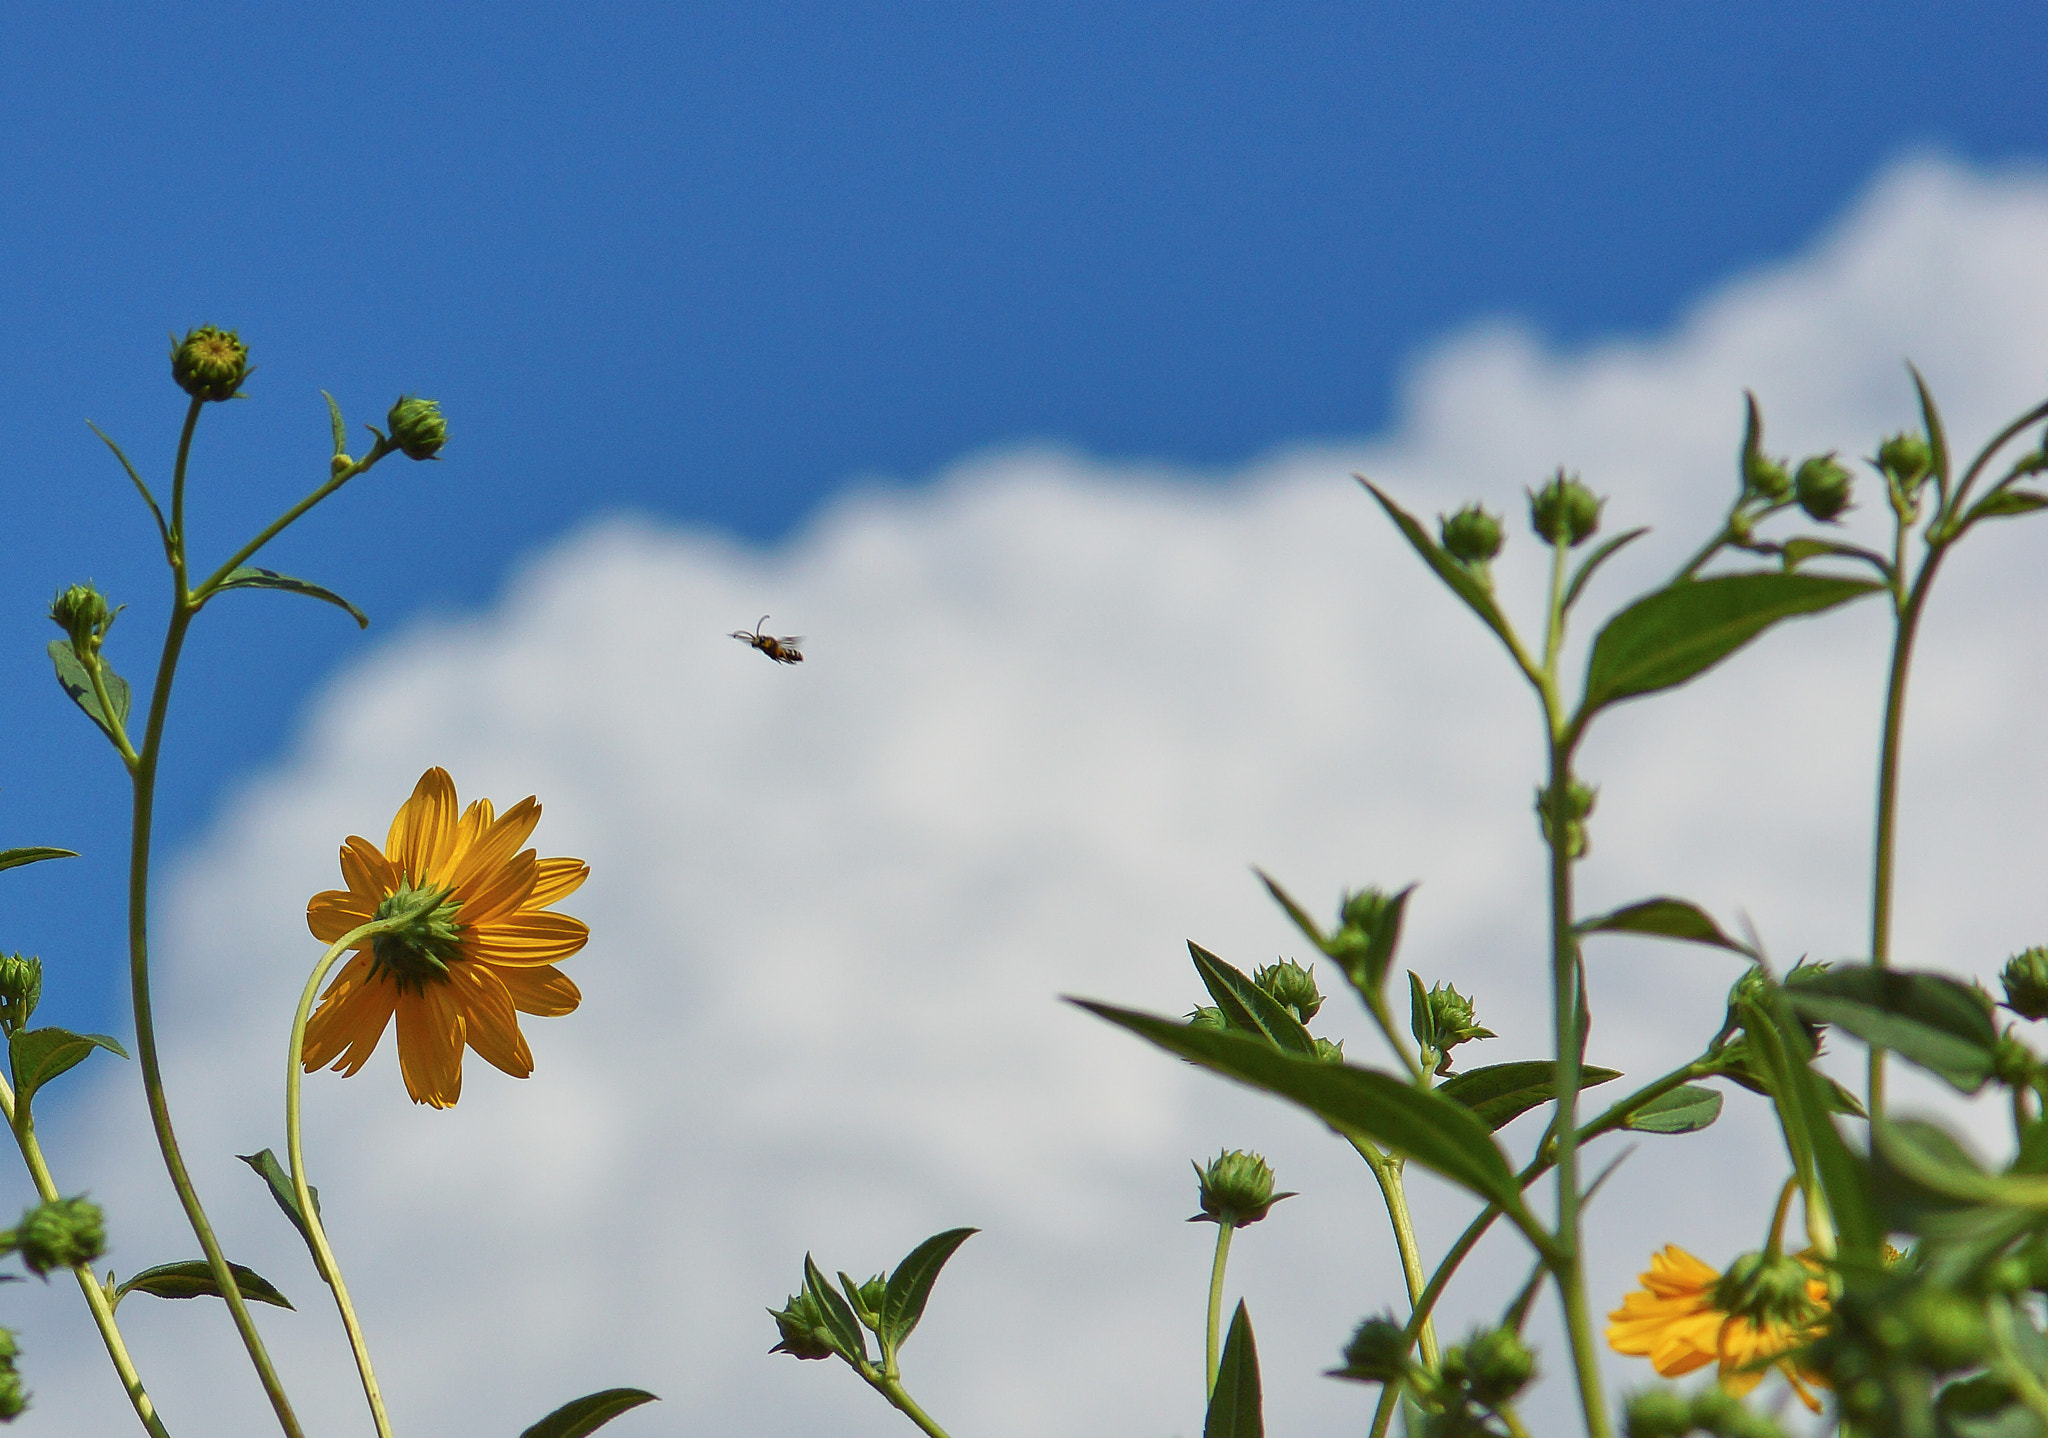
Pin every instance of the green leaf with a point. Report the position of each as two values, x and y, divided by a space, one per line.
1665 918
162 529
1685 1109
1460 580
1597 558
194 1279
78 684
588 1414
1735 1065
911 1284
1234 1406
1675 633
39 1055
272 1172
839 1318
1436 1132
1295 911
1928 1019
1985 1407
1937 436
1247 1006
1797 551
1421 1022
15 858
340 428
250 578
1498 1094
2006 502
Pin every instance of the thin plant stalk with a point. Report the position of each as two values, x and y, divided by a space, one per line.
1213 1351
1388 1172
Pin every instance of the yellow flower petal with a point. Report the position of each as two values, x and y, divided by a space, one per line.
527 938
545 992
423 833
430 1040
346 1027
489 1022
556 879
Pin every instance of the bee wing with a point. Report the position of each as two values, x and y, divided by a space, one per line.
790 640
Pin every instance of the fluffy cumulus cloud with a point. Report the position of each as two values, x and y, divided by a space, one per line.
1053 709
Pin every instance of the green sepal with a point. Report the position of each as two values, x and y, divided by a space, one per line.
1234 1406
1796 552
1925 1018
1436 1132
38 1055
911 1284
1597 558
1665 918
194 1279
15 858
840 1322
1296 912
272 1173
1937 436
340 427
77 683
162 529
1498 1094
2006 502
1459 579
1247 1006
1685 1109
1678 632
588 1414
248 577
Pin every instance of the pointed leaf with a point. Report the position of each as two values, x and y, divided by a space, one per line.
1665 918
1797 551
162 529
1460 580
839 1319
194 1279
587 1415
15 858
39 1055
1498 1094
78 684
250 578
1295 911
1675 633
1985 1407
1247 1006
340 427
2007 502
1434 1131
1597 558
1937 436
1928 1019
272 1172
911 1284
1685 1109
1234 1408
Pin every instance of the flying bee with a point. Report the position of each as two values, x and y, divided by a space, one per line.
782 651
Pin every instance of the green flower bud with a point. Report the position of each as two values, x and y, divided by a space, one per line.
1564 511
60 1234
1906 461
1579 801
1766 478
417 426
1377 1353
2013 1062
9 1348
1207 1018
803 1329
1824 487
83 613
1289 983
1657 1413
1442 1019
1237 1189
21 988
2025 980
209 364
1472 535
13 1396
1493 1365
867 1301
1723 1415
1768 1291
1359 919
1328 1052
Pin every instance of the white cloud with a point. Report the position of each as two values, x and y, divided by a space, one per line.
1053 708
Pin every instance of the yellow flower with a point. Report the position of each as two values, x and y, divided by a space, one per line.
479 949
1672 1321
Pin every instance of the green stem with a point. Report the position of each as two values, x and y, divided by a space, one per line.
2008 1364
23 1125
323 1255
1388 1172
1213 1352
899 1398
284 521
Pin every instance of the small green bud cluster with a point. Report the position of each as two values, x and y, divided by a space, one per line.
209 363
2025 980
1477 1378
83 613
805 1333
1377 1353
866 1300
1906 462
1362 920
1472 536
62 1233
1441 1019
417 427
1236 1188
1668 1413
1769 1289
1824 488
21 988
1578 803
13 1397
1288 983
1564 512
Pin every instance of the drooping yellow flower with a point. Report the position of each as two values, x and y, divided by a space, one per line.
1673 1322
478 950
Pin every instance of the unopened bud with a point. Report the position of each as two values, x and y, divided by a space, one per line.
1579 801
1493 1366
1289 983
1329 1052
13 1396
1237 1189
21 988
209 364
1824 487
1564 511
1377 1353
1442 1019
1906 459
1472 536
803 1329
1657 1413
1766 477
417 427
2025 979
83 613
60 1234
1207 1018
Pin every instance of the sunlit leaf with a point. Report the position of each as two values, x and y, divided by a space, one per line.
1685 1109
15 858
1665 918
78 684
1460 580
280 1184
1249 1007
194 1279
911 1284
248 577
1498 1094
39 1055
588 1414
1928 1019
840 1321
1234 1406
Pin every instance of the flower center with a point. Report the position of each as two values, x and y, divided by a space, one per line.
424 939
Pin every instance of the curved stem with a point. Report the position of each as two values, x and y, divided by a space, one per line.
1212 1353
24 1129
316 1235
1387 1172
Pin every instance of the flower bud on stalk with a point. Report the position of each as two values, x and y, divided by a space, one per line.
83 613
1492 1366
417 427
1824 487
2025 980
803 1328
21 988
209 364
1377 1353
59 1234
1237 1189
1906 461
1290 984
1579 801
1472 536
1564 511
